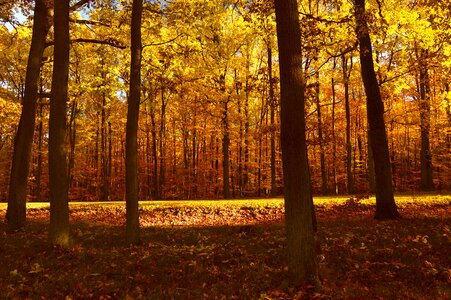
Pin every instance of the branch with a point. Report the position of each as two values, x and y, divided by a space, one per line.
165 42
78 5
88 22
311 16
110 41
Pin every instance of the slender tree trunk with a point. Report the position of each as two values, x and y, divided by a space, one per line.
59 207
16 213
72 140
39 167
302 265
320 137
272 109
385 202
346 74
334 141
427 183
104 151
156 190
131 160
162 136
225 153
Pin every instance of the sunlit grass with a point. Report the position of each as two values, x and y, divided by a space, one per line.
423 199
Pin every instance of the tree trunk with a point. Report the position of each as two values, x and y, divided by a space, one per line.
272 110
162 136
385 202
346 74
320 137
334 141
131 160
225 154
39 167
302 263
16 213
427 183
72 140
59 207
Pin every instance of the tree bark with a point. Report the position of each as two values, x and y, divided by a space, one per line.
16 213
131 151
385 202
302 265
59 207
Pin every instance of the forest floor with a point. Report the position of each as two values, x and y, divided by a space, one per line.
230 250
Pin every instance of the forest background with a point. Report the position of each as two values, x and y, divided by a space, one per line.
209 113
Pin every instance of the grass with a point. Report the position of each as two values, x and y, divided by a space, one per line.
230 250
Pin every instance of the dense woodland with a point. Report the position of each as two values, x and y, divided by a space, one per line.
143 100
209 108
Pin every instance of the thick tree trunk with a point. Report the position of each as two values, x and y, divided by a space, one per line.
427 183
302 263
16 213
131 151
385 202
59 207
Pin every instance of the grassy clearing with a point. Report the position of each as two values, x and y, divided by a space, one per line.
231 249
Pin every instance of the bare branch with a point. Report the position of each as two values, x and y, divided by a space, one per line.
88 22
109 41
78 5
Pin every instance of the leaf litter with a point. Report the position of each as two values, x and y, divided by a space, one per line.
229 252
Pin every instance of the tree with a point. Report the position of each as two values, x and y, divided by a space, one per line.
385 202
302 263
16 214
131 147
59 207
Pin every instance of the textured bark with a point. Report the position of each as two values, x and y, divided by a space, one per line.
59 207
16 213
302 263
131 140
385 203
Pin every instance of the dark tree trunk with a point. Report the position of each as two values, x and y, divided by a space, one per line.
302 263
334 147
16 213
162 136
39 167
72 140
427 183
346 74
131 151
320 137
272 110
59 207
385 202
225 154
